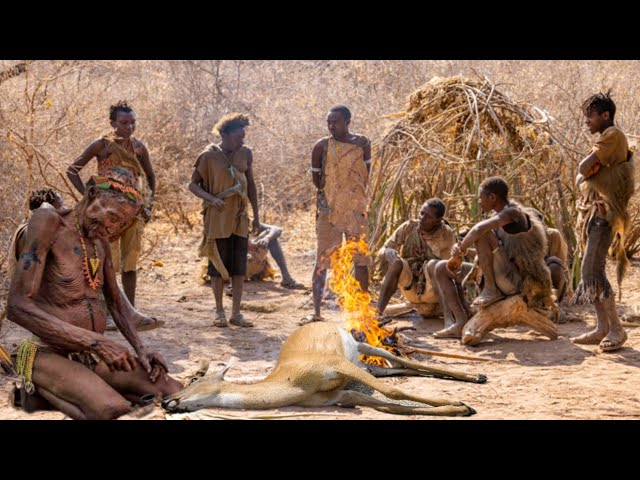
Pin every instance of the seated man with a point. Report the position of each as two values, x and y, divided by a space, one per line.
556 258
258 267
511 248
408 252
55 293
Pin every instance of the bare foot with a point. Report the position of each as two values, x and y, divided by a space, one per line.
613 341
487 297
454 331
449 322
590 338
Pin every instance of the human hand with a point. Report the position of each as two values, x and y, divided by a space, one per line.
456 250
256 225
116 356
154 365
216 202
262 242
146 214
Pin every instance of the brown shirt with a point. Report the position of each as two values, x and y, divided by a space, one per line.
611 148
213 165
416 243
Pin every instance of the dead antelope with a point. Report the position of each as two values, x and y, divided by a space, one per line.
316 362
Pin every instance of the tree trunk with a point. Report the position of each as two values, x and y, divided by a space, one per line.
506 313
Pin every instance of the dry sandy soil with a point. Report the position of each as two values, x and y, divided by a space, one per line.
530 377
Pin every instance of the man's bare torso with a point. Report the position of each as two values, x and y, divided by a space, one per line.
64 291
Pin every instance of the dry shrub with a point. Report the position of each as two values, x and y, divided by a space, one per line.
455 132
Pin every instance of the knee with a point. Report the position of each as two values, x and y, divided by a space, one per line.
557 275
170 387
394 271
431 266
486 241
441 268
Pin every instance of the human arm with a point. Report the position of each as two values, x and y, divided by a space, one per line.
316 163
393 245
195 187
367 154
252 193
588 167
504 217
145 162
73 171
268 233
125 316
42 233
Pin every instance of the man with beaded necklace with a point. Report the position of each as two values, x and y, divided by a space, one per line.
55 293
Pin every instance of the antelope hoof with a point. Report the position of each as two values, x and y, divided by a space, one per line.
470 411
169 404
482 378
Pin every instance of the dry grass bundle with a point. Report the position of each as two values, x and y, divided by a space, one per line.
457 131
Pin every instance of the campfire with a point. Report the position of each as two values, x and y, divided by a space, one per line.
360 316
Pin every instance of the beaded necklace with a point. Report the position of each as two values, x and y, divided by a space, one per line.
90 265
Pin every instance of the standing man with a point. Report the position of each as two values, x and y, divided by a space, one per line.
118 153
223 179
606 179
340 166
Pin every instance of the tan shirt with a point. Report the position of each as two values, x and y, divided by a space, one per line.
612 147
213 166
439 242
344 181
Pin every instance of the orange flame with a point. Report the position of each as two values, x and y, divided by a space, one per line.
353 302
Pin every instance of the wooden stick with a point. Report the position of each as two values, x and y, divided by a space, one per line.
624 323
449 355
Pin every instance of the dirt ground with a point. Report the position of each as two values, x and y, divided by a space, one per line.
529 377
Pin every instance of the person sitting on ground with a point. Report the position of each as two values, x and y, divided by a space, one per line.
258 266
65 263
412 251
511 249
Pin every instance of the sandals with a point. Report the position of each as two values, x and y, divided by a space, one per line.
292 284
240 321
220 319
609 345
312 317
